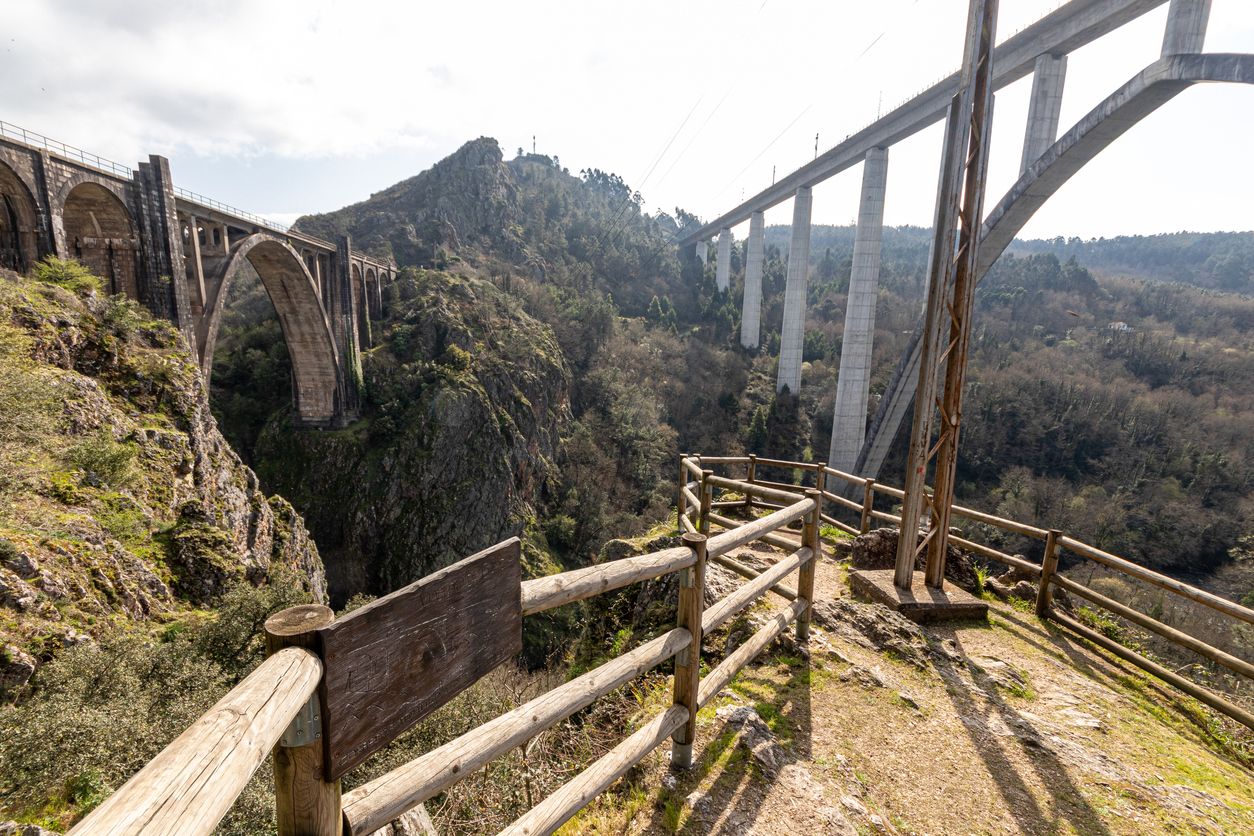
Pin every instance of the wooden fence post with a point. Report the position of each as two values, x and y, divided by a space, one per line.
305 803
750 477
868 504
707 497
688 661
805 577
1045 594
820 484
681 502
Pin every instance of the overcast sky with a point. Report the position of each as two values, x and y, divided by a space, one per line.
284 107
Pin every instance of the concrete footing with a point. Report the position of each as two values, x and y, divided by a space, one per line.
920 603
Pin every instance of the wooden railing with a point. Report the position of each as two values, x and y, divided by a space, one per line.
191 784
1048 577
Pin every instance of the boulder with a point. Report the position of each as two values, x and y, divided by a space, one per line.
874 626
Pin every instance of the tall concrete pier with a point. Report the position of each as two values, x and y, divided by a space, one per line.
722 275
792 337
854 380
1186 26
1045 107
755 257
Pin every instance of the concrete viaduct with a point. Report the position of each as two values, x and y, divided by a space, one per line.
1047 163
178 253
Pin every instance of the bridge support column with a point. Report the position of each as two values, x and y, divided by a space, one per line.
703 251
722 278
163 289
197 265
755 256
792 337
1186 26
853 382
1045 107
343 316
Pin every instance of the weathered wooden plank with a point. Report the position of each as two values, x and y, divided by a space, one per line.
193 782
574 795
747 533
397 659
551 591
726 670
1201 596
730 606
374 804
1186 685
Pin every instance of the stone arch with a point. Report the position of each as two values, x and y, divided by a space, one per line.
19 222
100 232
316 372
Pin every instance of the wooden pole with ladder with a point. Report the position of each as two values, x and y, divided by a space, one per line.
950 303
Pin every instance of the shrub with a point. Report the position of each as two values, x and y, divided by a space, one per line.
67 273
104 461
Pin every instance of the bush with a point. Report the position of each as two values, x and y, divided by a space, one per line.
98 713
104 461
67 273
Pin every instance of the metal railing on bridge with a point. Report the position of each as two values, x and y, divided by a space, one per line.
37 140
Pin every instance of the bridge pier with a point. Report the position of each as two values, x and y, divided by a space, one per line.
722 276
1186 26
163 288
703 251
343 316
1045 107
755 257
853 381
792 336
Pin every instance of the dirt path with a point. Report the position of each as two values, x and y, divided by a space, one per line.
1005 727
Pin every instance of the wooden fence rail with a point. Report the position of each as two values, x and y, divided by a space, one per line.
192 783
1047 574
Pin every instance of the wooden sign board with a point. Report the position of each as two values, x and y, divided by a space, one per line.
397 659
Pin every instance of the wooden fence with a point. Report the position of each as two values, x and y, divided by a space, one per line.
1047 575
287 706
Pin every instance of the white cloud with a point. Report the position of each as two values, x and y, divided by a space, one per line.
344 84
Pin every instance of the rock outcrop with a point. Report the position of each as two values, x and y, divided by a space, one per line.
123 500
467 398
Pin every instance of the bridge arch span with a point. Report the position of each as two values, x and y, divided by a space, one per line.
316 371
100 232
1141 96
19 221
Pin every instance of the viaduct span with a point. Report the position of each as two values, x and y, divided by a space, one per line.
178 253
1048 162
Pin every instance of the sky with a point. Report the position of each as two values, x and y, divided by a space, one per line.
284 107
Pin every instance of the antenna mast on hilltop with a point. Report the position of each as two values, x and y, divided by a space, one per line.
950 300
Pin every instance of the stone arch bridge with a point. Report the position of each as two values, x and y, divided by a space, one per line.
178 253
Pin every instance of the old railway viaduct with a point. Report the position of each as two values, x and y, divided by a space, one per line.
178 253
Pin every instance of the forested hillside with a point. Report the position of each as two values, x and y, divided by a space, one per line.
1214 260
1114 406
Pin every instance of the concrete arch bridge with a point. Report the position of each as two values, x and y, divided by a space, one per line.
178 253
1048 162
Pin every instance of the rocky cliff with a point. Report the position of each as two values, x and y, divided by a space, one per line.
467 200
119 499
466 398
